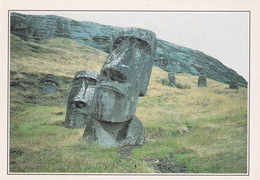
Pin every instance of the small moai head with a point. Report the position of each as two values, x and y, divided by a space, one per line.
171 78
233 84
160 58
49 84
202 81
74 117
124 76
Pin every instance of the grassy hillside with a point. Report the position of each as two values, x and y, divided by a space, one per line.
188 129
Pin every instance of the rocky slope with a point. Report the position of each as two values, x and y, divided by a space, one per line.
170 57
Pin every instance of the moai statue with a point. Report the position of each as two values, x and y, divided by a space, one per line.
171 79
81 81
233 84
202 81
49 84
160 59
123 78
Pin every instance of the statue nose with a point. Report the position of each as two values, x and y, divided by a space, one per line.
79 104
79 100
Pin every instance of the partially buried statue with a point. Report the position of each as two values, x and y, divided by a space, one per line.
202 81
161 59
81 82
49 84
123 78
172 80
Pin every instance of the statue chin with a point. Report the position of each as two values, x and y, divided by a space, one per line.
110 106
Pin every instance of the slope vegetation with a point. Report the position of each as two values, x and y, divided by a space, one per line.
188 129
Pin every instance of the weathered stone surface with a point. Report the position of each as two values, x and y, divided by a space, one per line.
123 76
115 134
171 78
233 84
146 39
160 60
81 81
49 84
202 81
170 57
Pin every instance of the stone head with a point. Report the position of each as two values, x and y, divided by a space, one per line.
202 81
161 58
77 98
124 76
49 84
171 75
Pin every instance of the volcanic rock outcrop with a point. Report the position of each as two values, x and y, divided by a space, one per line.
170 57
81 81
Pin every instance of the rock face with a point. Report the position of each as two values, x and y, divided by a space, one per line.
81 81
50 26
172 80
170 57
202 81
123 77
49 84
115 134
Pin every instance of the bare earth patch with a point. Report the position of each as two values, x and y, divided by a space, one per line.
165 166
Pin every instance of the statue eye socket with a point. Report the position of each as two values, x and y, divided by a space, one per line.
105 74
117 76
118 42
144 46
92 81
114 75
77 81
89 81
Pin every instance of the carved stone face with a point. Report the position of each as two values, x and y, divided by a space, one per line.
124 75
77 96
161 58
49 84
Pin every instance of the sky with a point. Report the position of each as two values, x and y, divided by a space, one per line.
222 35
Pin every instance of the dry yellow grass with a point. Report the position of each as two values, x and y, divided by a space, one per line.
54 57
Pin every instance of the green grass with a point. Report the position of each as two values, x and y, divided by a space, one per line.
191 129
